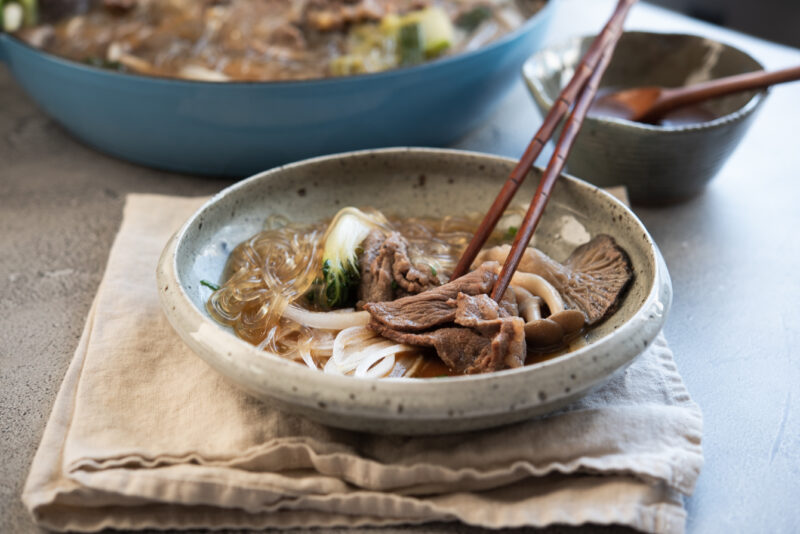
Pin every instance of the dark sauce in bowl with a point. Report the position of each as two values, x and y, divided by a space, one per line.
685 116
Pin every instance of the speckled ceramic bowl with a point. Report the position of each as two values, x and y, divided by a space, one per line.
409 182
658 164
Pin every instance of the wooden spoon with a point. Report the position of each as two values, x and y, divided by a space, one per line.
649 104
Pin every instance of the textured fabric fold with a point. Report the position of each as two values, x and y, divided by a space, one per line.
144 434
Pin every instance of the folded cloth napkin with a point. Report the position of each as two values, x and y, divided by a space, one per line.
144 434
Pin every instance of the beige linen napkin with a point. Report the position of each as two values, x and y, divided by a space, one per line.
144 434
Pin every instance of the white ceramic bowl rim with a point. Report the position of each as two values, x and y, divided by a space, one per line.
420 386
734 116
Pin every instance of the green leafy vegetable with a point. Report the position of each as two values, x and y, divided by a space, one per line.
470 20
436 30
31 9
511 233
343 240
398 40
17 14
409 45
102 63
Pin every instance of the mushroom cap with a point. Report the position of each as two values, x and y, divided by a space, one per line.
593 279
570 320
543 333
600 274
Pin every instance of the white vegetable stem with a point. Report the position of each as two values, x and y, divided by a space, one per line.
539 287
12 17
334 320
363 353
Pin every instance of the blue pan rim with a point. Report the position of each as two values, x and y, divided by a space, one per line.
535 20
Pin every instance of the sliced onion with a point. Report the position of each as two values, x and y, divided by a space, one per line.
304 351
335 320
485 33
321 344
412 370
136 64
539 287
346 338
348 361
203 74
510 17
375 366
361 352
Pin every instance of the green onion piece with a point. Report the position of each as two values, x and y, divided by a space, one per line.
209 285
102 63
511 233
31 10
409 45
437 49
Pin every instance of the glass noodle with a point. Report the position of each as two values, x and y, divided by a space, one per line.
269 282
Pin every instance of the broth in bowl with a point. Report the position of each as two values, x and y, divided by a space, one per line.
263 40
372 297
412 183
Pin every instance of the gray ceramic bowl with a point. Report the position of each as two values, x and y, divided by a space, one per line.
658 164
390 180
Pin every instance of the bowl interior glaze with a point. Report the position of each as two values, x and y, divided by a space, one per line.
408 182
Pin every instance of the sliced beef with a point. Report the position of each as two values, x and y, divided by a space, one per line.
477 310
489 339
287 35
387 270
496 341
498 322
410 278
433 307
376 274
457 347
119 6
326 15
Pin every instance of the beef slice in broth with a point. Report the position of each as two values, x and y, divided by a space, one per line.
387 270
485 336
430 308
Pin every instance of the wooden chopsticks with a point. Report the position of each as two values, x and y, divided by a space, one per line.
583 87
551 174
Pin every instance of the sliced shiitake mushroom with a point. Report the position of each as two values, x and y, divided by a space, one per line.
592 280
545 332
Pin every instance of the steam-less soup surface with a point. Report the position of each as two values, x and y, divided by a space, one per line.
221 40
370 296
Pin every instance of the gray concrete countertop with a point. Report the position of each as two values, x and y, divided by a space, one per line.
733 252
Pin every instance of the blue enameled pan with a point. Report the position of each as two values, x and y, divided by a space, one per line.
238 128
